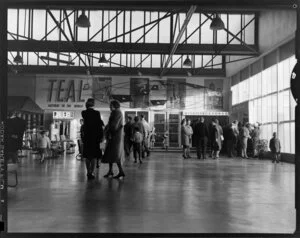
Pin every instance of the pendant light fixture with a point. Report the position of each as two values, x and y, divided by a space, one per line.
187 62
217 23
18 59
103 61
83 21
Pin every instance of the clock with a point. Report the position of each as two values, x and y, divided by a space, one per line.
295 82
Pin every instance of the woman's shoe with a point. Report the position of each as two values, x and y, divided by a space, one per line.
120 175
141 162
184 156
109 174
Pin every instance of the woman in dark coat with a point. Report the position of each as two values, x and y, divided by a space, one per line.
114 151
92 131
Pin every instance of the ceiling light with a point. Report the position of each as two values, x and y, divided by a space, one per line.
83 21
139 73
18 59
189 74
217 23
187 62
103 61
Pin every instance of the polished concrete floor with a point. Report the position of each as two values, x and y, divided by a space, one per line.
164 194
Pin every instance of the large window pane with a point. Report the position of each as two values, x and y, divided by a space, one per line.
273 75
274 108
280 76
259 114
286 105
292 137
264 110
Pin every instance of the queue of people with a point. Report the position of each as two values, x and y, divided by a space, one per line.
237 139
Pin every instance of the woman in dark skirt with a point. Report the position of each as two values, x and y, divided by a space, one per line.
92 131
114 151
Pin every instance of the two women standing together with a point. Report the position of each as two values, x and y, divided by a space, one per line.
93 133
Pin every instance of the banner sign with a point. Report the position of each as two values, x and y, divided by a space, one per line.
63 92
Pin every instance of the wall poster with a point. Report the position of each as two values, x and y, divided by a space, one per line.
102 91
214 99
176 93
139 91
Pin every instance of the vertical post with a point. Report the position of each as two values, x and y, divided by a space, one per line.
3 114
297 130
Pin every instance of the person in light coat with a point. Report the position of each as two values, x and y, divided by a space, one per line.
186 137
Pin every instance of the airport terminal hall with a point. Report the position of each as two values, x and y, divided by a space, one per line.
150 116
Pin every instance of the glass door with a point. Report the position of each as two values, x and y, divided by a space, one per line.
160 127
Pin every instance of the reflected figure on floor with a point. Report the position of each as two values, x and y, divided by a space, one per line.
92 130
201 136
186 135
114 151
275 148
217 134
15 131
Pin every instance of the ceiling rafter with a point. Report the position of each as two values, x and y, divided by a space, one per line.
180 34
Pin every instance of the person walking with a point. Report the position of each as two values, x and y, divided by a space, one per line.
114 151
186 133
201 133
232 136
217 134
137 145
145 143
244 140
15 131
92 136
255 138
128 130
275 148
44 145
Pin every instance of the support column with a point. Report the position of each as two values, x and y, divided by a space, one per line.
297 130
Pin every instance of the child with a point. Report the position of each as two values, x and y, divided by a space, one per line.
275 148
43 145
166 140
137 144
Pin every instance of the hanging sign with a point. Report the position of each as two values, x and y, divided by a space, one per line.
295 82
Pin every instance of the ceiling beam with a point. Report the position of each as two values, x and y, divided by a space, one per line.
178 38
155 5
21 69
129 48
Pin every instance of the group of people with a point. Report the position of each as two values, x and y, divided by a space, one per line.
120 139
93 132
137 136
202 134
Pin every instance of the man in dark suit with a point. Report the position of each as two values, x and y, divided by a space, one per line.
15 131
201 133
128 142
92 136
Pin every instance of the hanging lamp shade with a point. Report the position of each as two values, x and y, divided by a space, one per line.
18 59
83 21
217 24
103 61
187 62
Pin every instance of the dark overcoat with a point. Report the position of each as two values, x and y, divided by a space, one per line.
114 151
15 131
92 133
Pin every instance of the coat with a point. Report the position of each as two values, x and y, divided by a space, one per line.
92 133
15 131
217 132
114 151
186 135
274 145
